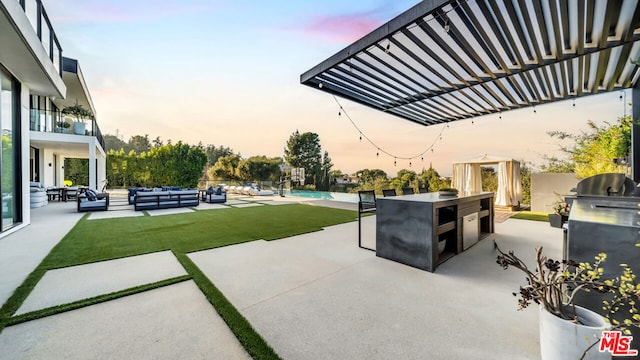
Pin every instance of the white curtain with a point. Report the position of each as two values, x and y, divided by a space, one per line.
474 178
459 177
503 195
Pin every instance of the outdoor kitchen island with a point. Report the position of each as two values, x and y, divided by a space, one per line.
424 230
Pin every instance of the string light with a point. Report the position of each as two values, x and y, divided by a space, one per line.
574 102
380 149
446 26
534 109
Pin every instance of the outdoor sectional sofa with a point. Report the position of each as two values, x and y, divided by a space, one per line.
158 199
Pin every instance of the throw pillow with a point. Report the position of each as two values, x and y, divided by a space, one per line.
219 191
91 195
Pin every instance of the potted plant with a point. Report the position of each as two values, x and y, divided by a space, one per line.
447 191
63 125
560 214
568 331
80 114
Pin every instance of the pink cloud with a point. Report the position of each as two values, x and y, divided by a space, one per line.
341 28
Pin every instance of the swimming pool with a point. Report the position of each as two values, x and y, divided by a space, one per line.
324 195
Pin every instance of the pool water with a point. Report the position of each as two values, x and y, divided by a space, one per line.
324 195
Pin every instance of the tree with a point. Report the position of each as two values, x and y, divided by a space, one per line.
225 168
214 153
140 144
489 179
303 151
324 180
433 179
259 168
404 179
76 170
593 152
366 176
111 142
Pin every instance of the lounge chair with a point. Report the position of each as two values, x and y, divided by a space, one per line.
389 192
407 191
366 204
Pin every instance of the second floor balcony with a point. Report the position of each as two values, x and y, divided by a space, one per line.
53 121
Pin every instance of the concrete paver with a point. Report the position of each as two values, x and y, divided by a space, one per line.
172 322
22 251
207 206
171 211
66 285
247 205
97 215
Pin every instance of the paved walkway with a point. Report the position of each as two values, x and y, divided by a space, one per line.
310 296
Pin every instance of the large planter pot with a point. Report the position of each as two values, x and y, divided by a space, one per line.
78 128
562 339
556 220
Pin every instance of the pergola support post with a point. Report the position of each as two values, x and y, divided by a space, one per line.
635 134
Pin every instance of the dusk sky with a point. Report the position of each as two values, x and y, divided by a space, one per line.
228 73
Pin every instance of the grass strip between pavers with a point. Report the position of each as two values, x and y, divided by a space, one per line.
252 342
93 301
108 239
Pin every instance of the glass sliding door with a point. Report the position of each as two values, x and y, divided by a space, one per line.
9 152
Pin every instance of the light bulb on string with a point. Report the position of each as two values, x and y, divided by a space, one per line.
422 159
339 113
409 163
378 153
394 162
361 137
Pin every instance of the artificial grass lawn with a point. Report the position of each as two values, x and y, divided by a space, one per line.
106 239
97 240
531 215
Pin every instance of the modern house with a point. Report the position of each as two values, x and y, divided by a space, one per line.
37 83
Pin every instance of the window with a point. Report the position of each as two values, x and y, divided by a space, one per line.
9 152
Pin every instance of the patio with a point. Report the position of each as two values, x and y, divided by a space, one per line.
310 296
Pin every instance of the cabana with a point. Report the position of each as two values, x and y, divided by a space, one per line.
467 177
